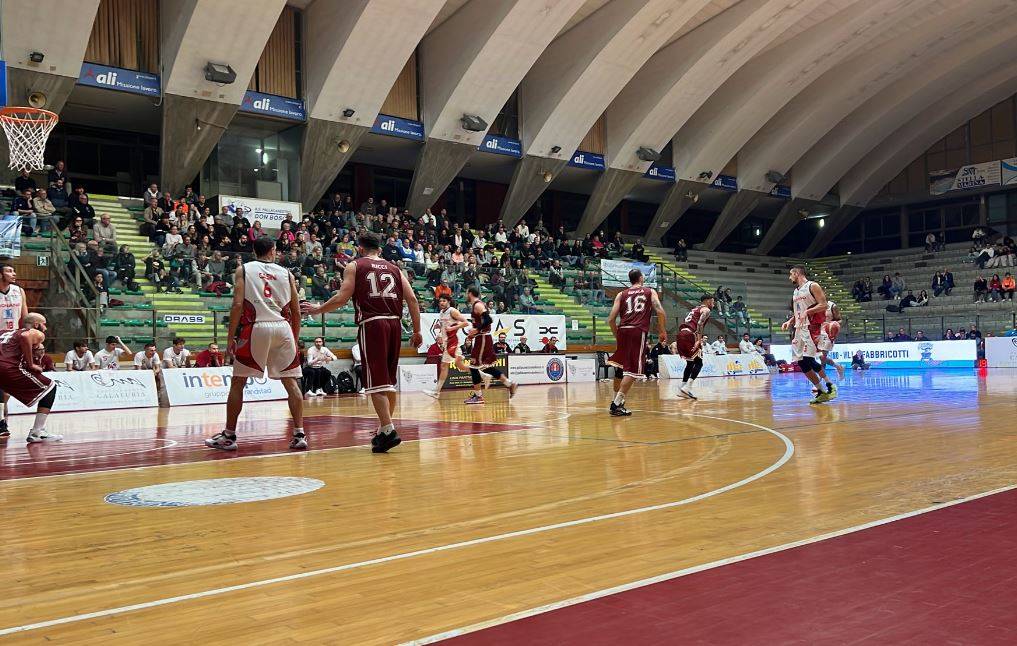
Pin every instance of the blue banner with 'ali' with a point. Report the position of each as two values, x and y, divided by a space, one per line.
398 127
117 78
272 105
588 160
502 145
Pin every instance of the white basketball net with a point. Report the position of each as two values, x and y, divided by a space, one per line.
27 130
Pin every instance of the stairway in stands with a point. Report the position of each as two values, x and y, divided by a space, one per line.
839 293
568 306
187 303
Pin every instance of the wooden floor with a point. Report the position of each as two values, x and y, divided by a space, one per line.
491 511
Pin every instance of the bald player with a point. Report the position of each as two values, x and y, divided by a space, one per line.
21 377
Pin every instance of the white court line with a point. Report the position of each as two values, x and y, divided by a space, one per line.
789 450
78 458
692 570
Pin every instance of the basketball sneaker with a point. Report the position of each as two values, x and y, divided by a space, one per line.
474 399
222 442
4 431
820 398
319 393
831 391
433 394
687 394
42 436
513 386
382 442
619 411
299 441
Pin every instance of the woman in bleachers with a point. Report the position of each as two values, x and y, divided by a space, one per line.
885 287
996 288
1008 286
923 299
981 289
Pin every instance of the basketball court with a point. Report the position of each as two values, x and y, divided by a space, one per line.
748 516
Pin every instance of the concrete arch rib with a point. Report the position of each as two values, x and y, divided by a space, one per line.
189 97
925 127
360 48
754 94
946 51
471 64
676 82
575 79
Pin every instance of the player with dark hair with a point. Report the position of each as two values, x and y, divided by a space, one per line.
482 356
378 289
634 306
13 308
21 377
690 342
828 333
450 321
807 316
263 331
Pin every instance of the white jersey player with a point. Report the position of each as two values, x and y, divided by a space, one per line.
450 322
828 332
808 313
13 307
263 331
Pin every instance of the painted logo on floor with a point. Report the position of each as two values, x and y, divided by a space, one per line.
219 491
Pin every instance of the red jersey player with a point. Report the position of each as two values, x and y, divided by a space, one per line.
21 377
690 343
13 307
450 321
378 289
635 306
263 331
482 356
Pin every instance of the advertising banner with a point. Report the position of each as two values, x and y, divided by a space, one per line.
672 366
662 173
537 368
10 237
580 370
502 145
515 326
615 273
907 354
116 78
726 182
781 191
398 127
3 84
415 377
587 160
1008 169
1001 351
271 213
183 318
98 390
966 177
272 105
186 386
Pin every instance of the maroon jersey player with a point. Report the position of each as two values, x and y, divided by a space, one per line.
690 343
482 356
634 306
21 377
378 289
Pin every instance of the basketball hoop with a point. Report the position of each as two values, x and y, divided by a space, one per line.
27 130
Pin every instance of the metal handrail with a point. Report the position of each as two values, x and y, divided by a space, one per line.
70 275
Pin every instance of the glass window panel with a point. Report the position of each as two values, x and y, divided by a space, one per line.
958 139
1002 120
981 129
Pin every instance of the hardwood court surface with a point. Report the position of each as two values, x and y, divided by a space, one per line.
494 510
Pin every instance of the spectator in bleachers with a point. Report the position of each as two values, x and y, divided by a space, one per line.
521 347
171 240
99 263
79 196
1008 286
920 336
105 234
319 285
939 284
981 289
101 291
109 357
167 203
974 333
908 300
148 359
719 346
681 251
901 335
151 193
638 251
25 182
858 361
746 346
123 265
1002 256
949 335
43 209
80 358
740 311
22 206
898 285
77 232
761 349
318 377
996 288
255 231
885 289
176 356
931 243
57 193
978 237
152 215
923 299
58 172
526 302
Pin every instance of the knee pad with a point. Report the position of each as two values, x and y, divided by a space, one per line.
618 374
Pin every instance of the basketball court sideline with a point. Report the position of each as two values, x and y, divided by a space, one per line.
485 513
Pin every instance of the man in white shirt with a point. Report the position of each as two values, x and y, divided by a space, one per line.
177 356
80 358
720 345
318 356
109 357
148 360
746 346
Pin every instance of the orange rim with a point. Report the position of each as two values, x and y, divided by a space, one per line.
21 115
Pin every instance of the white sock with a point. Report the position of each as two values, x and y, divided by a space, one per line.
40 422
688 384
388 428
299 430
619 398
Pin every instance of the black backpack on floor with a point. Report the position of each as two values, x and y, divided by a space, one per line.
344 383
